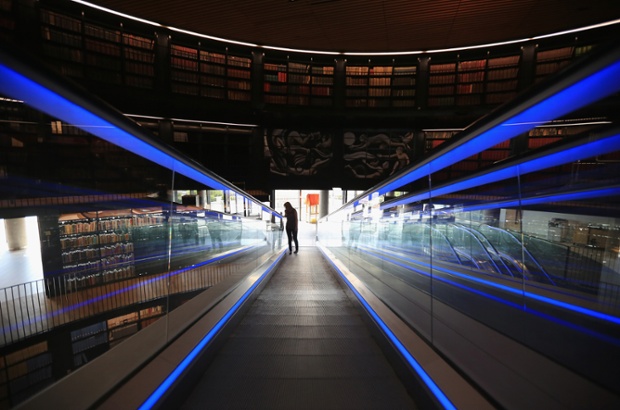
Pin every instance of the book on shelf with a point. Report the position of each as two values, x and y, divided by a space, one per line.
493 87
323 80
379 92
470 77
404 92
215 58
274 67
323 70
185 52
275 99
502 74
138 41
442 79
357 82
380 81
212 69
405 71
298 68
381 71
503 61
239 61
403 82
239 95
442 68
357 70
564 53
475 65
238 73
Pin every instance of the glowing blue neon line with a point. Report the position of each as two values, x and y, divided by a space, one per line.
607 338
584 92
99 298
569 196
176 373
430 383
518 292
587 150
20 87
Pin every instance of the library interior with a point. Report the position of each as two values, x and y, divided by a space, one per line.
454 167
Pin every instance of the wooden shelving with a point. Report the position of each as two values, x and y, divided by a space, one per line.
442 84
403 86
502 78
298 83
551 61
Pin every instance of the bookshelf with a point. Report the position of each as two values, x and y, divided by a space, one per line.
91 341
357 86
495 153
61 41
139 60
275 83
88 342
95 249
470 82
212 74
379 86
368 85
298 83
502 79
322 85
184 73
403 86
442 82
7 24
121 327
238 73
24 372
102 54
82 49
433 139
551 61
209 74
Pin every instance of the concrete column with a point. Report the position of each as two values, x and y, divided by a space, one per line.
202 198
16 233
323 203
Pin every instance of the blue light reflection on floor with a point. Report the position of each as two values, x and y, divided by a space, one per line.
176 373
519 292
430 383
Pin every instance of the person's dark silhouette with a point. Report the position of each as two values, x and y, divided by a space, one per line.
291 227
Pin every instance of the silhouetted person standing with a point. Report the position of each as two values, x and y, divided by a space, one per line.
291 226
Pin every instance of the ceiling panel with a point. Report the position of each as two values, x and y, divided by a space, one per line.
371 25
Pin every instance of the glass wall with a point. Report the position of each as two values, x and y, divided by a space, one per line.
527 247
129 230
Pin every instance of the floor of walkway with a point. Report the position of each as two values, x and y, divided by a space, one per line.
302 345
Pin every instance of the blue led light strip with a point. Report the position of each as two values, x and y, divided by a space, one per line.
178 371
49 315
580 94
518 292
586 150
18 86
430 383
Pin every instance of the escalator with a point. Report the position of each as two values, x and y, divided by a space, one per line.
302 344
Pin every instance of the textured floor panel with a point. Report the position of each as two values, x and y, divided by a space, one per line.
301 320
308 347
302 345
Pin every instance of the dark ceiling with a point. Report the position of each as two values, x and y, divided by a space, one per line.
371 25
